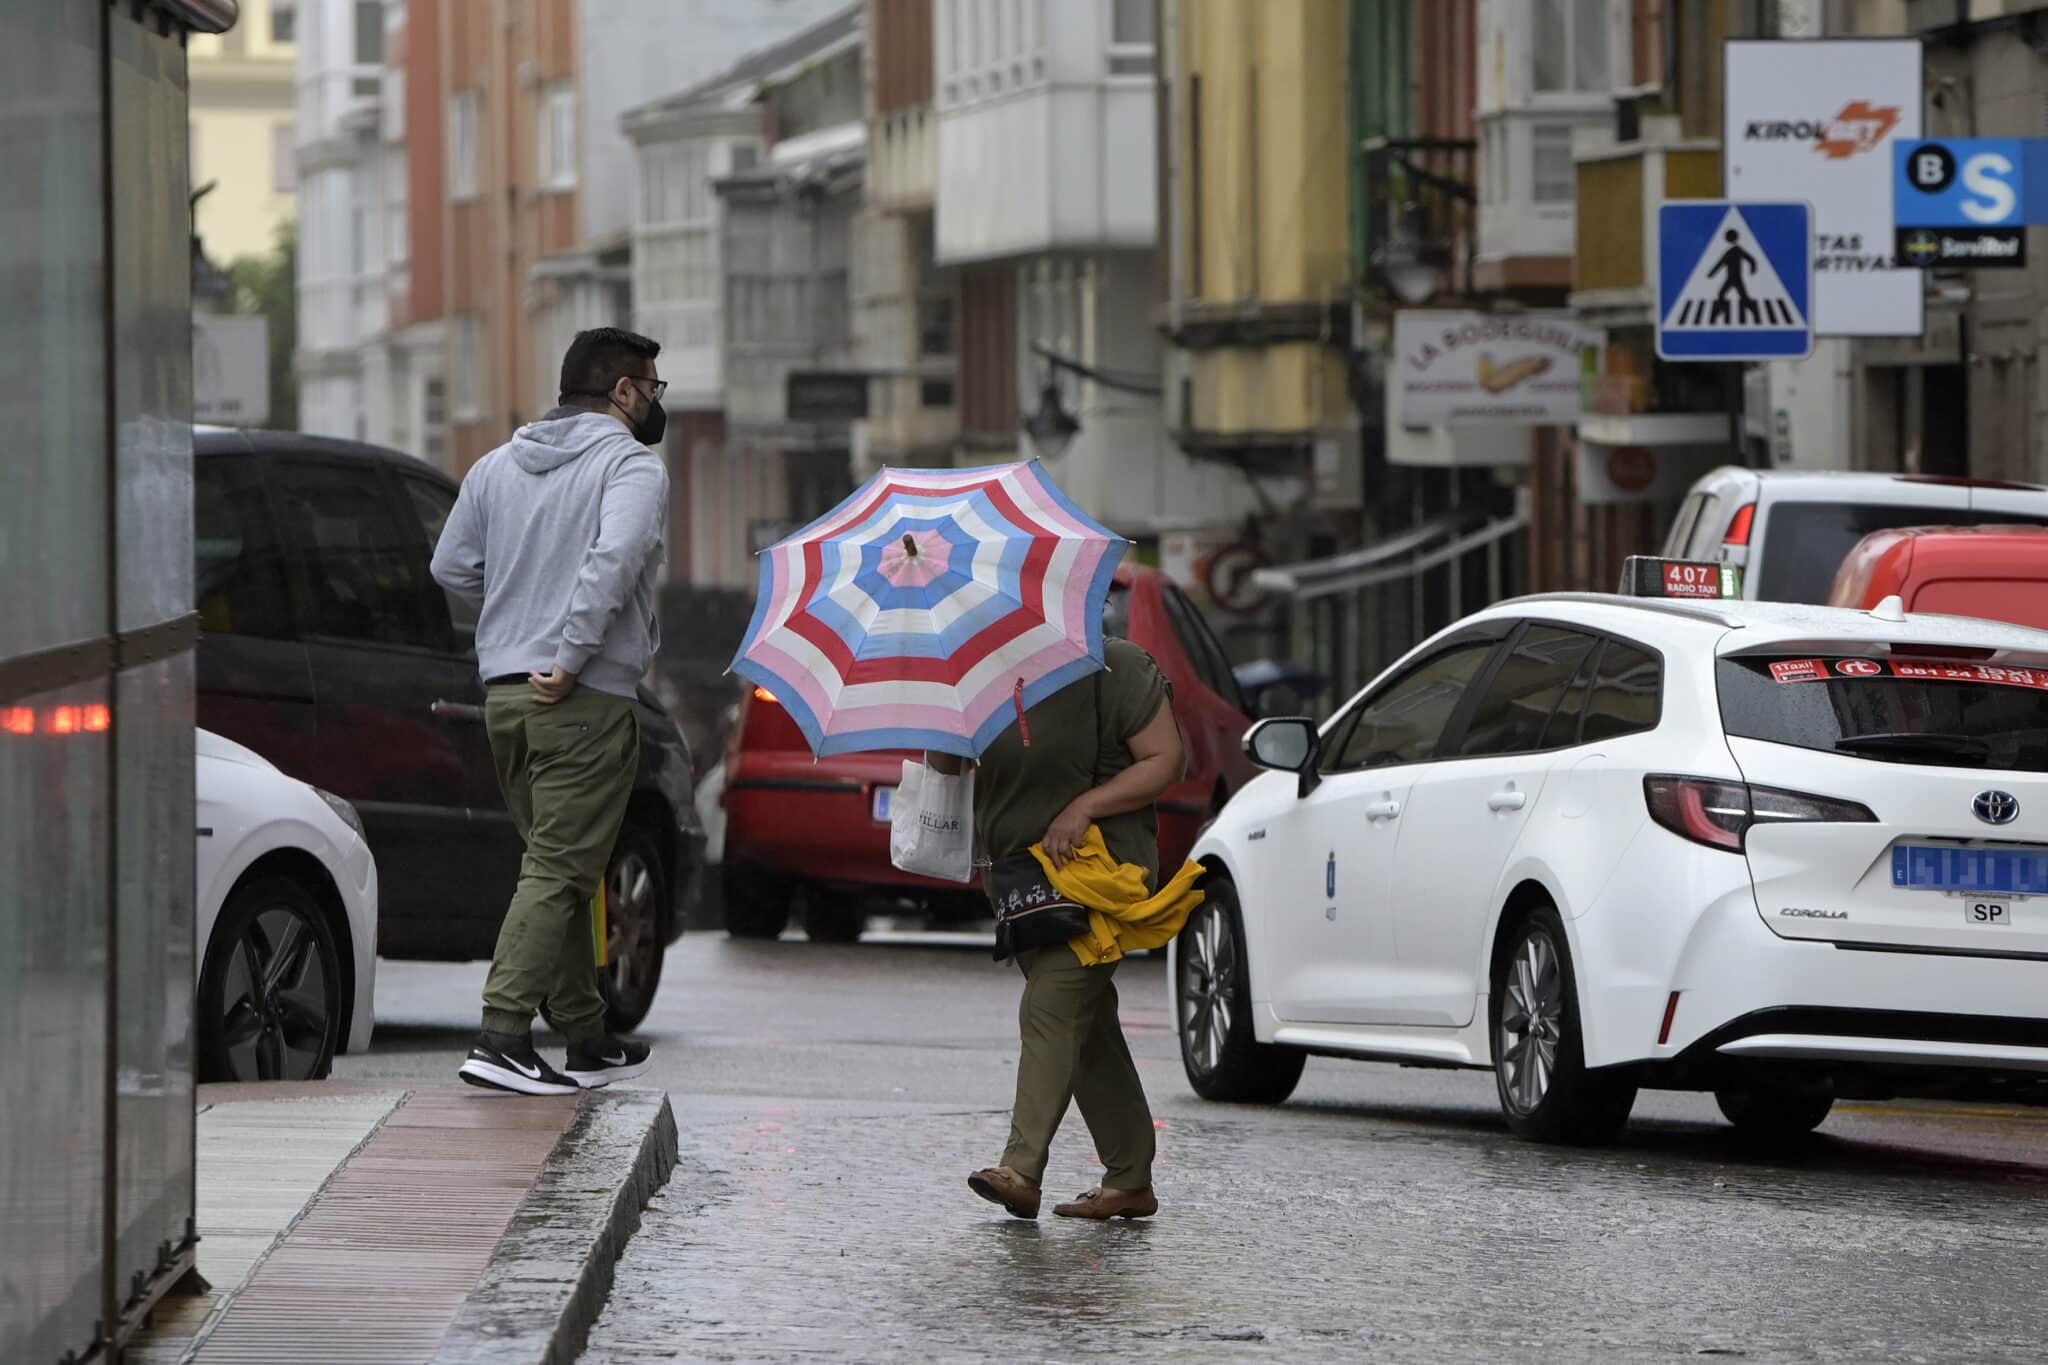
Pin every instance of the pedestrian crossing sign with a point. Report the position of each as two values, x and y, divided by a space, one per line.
1734 280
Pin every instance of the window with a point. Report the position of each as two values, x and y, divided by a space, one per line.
1626 695
365 577
935 324
1571 45
1514 712
1809 540
462 148
555 140
1211 660
284 161
434 418
431 502
240 585
369 32
469 368
1130 37
1553 177
1957 722
284 21
1405 721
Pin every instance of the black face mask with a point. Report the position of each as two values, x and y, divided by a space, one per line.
648 431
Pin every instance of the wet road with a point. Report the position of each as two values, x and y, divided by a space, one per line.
832 1101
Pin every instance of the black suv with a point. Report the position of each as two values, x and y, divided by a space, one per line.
328 648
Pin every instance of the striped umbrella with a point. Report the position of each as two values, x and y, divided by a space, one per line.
929 609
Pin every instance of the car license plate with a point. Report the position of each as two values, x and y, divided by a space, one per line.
1978 911
1992 872
883 796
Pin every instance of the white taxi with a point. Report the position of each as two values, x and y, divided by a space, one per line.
1594 843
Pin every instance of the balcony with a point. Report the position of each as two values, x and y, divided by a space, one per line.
1620 188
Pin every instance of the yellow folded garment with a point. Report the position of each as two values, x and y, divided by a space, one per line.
1126 917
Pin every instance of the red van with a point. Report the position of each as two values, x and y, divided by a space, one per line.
1997 573
811 836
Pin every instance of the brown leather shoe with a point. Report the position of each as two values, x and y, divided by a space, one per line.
1101 1203
1001 1185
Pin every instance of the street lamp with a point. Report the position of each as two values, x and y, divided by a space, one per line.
1050 426
1412 262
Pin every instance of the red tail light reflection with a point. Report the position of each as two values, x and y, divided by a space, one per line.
57 720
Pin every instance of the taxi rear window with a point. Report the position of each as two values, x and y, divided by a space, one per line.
1951 713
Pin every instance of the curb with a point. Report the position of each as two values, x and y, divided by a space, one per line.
552 1271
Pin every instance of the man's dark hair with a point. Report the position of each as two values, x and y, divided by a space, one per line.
599 358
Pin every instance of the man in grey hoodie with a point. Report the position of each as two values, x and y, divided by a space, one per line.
557 536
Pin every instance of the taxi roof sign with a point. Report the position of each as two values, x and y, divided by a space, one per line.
1692 579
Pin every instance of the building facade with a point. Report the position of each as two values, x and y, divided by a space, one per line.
244 103
1047 203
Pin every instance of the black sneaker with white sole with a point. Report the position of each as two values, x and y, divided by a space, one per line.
505 1061
605 1059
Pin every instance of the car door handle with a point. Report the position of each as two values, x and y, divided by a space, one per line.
1383 810
457 710
1507 800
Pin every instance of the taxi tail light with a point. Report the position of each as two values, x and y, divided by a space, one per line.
1738 528
1720 814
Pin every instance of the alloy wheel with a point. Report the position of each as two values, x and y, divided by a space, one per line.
275 1001
630 923
1208 980
1531 1022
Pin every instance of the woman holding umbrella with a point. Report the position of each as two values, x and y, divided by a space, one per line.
960 612
1098 752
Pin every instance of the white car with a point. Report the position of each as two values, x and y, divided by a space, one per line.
1594 843
1789 530
287 920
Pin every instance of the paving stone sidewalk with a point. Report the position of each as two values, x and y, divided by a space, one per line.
388 1219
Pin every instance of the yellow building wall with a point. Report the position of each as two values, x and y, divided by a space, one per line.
1263 212
243 92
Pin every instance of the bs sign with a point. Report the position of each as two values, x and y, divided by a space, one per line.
1959 203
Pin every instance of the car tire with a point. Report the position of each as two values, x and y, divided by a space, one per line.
636 892
829 919
1212 999
756 906
1540 1074
1776 1115
272 988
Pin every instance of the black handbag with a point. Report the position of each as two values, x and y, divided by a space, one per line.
1030 911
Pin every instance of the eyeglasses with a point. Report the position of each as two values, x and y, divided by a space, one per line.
660 386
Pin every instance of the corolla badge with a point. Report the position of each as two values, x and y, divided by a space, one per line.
1996 807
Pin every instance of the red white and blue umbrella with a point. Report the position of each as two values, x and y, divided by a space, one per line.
930 609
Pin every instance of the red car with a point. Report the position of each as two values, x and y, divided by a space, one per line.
812 835
1997 573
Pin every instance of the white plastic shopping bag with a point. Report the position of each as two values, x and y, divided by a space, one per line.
931 824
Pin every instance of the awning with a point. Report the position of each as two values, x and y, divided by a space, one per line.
1391 560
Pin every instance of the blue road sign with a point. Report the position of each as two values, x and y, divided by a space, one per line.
1734 280
1960 183
1966 201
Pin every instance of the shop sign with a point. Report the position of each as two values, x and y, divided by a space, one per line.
1488 369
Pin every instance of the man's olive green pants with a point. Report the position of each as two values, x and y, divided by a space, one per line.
567 772
1074 1049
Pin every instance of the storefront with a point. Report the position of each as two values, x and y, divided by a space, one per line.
96 669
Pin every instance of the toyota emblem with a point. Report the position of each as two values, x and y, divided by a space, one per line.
1996 808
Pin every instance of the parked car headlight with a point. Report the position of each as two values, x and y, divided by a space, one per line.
344 811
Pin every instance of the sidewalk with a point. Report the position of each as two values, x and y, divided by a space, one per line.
394 1221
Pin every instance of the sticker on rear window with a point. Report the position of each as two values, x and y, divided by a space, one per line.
1819 670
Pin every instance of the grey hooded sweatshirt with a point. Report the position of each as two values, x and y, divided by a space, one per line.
557 535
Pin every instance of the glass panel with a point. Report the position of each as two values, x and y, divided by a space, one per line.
1589 47
1131 22
1553 177
154 1045
431 503
53 1002
1511 716
50 309
364 576
152 386
1627 696
1957 716
241 566
369 32
1405 721
1563 730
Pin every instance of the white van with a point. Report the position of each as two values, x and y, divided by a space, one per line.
1789 530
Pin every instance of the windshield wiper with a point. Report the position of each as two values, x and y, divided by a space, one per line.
1919 745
